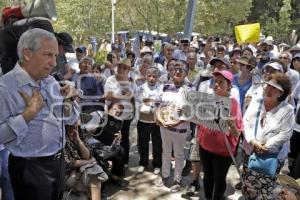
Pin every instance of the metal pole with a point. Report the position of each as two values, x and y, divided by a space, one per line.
189 20
113 2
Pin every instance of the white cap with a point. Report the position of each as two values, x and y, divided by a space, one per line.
274 65
275 85
146 49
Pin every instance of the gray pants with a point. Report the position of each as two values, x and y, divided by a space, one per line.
177 141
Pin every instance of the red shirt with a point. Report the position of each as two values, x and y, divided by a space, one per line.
214 141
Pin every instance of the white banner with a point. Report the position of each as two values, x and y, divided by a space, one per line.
209 110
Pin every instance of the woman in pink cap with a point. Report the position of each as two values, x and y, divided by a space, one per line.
214 153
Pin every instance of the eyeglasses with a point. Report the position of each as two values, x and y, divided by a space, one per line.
285 58
247 66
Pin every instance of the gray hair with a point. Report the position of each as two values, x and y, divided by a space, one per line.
169 46
88 58
288 54
148 58
31 39
194 54
153 70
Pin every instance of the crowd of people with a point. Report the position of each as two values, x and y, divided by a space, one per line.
59 111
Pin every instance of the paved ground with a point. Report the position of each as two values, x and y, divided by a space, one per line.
140 186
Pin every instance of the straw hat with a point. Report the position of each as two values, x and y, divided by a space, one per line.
125 62
286 180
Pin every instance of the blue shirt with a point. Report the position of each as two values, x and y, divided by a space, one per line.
89 85
92 92
242 89
43 135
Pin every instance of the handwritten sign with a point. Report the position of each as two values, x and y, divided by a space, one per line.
209 110
247 33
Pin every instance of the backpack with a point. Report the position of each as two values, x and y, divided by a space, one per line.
9 37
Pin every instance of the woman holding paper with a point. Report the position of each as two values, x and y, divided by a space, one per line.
214 153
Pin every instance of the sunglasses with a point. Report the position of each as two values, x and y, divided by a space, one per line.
178 70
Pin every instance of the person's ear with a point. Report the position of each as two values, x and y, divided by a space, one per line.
27 54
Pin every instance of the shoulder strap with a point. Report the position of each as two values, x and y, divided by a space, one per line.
257 117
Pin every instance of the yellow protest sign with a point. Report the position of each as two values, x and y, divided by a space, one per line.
247 33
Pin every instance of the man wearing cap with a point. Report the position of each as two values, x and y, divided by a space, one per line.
243 79
63 70
286 57
295 50
80 52
221 52
267 47
180 54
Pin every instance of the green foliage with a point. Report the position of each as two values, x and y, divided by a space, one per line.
280 29
220 16
85 18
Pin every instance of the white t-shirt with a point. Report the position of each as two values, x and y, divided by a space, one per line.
112 85
109 72
147 92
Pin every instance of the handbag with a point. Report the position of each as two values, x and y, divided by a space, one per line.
263 163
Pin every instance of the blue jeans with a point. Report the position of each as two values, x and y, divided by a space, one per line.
5 184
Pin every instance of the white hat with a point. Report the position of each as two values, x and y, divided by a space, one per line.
270 38
274 65
146 49
275 85
297 55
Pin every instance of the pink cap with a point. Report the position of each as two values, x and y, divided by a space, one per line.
225 73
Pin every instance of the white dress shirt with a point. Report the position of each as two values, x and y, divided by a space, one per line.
275 127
